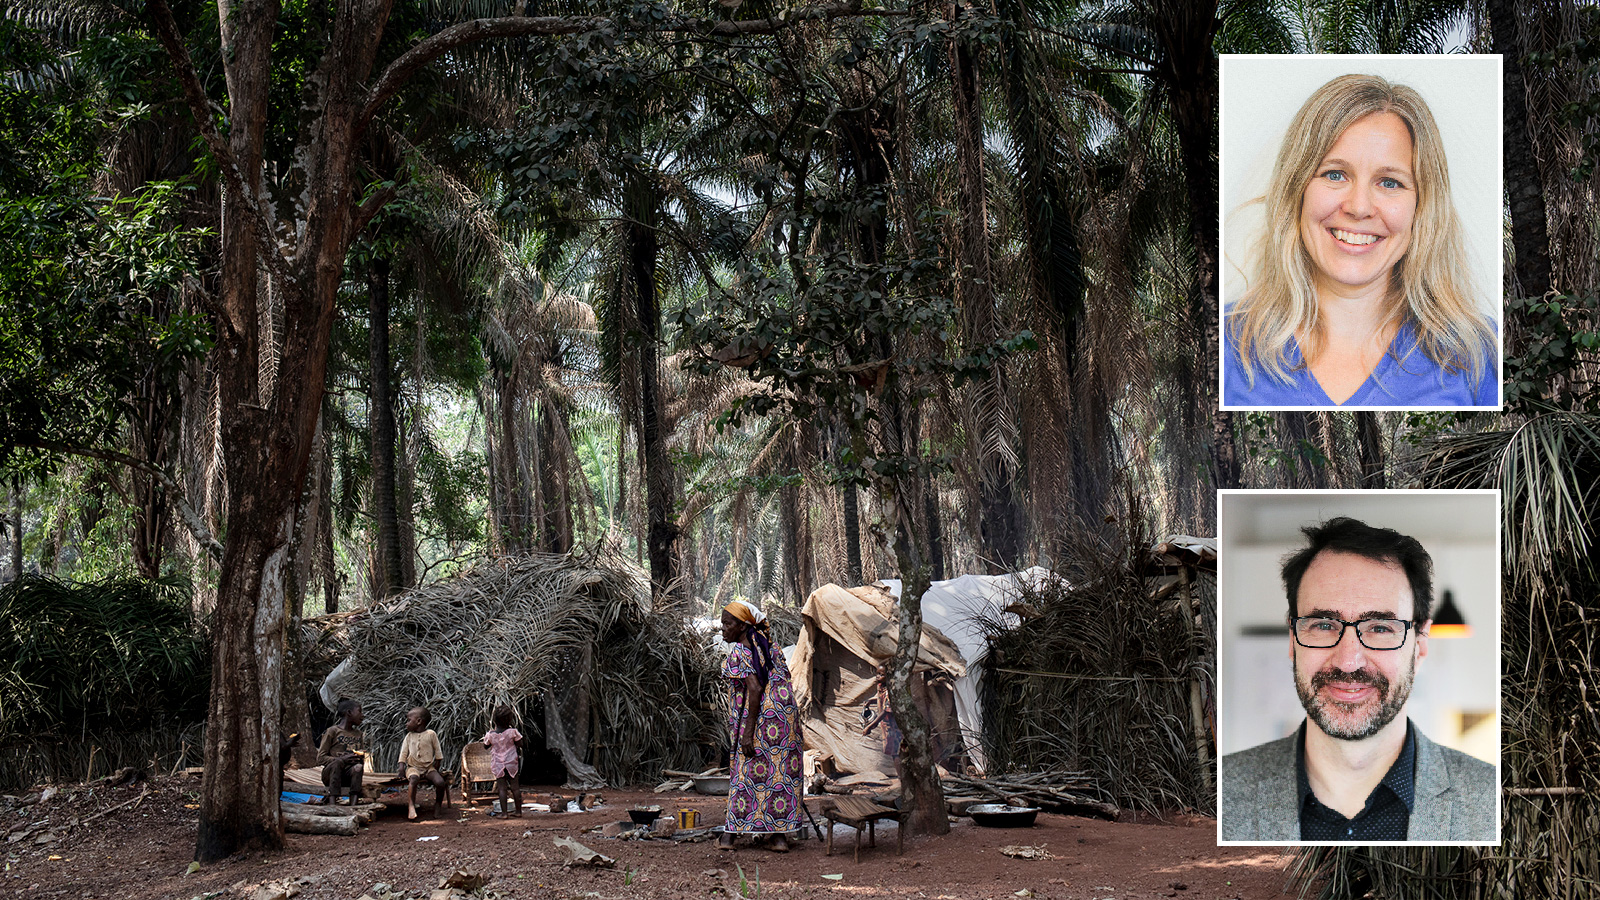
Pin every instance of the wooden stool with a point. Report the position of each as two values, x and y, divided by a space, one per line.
858 811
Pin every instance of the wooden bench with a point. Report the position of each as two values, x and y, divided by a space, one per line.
858 812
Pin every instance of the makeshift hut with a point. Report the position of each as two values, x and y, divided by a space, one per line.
615 691
967 609
1110 673
844 635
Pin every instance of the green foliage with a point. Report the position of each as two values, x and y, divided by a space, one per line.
451 488
1261 442
88 284
1562 339
118 654
749 886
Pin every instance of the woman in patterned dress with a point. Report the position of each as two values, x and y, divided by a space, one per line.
764 773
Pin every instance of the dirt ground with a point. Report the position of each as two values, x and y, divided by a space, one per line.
137 840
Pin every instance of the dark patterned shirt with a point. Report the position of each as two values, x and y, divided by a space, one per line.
1387 815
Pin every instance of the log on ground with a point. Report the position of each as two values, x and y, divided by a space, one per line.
301 823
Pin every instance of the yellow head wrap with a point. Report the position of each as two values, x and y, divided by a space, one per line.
745 612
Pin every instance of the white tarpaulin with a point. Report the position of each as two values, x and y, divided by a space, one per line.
959 608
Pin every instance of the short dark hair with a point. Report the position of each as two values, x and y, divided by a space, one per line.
1385 545
502 716
427 717
345 707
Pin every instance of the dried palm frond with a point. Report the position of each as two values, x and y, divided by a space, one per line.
533 631
1546 468
1098 681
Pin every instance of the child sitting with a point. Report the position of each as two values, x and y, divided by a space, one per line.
339 754
420 755
505 744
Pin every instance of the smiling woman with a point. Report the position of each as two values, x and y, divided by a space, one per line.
1360 293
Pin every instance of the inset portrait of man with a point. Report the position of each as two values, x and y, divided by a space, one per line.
1360 602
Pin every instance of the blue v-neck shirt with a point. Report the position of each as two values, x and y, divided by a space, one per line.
1418 381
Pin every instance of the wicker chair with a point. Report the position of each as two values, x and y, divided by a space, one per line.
477 782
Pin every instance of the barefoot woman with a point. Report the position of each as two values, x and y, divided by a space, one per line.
764 775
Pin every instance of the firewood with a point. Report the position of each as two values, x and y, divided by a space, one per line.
300 823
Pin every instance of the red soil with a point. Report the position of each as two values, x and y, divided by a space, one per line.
144 850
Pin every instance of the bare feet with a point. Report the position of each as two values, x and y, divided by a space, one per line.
778 844
411 813
725 842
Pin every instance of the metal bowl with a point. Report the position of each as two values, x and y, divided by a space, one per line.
999 815
716 785
644 816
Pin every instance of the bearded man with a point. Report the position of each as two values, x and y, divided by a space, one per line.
1357 770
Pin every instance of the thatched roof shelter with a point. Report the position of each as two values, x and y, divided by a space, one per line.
569 640
1108 672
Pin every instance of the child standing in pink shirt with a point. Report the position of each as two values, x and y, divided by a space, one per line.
505 745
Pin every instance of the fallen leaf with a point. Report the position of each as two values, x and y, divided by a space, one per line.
578 854
1027 851
193 868
464 879
838 877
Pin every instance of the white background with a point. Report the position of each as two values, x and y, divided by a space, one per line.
1261 94
1257 701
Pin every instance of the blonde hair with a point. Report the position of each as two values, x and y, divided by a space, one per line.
1429 286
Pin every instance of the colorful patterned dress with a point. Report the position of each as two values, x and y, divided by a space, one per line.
764 789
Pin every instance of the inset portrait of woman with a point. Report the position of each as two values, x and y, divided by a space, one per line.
1358 289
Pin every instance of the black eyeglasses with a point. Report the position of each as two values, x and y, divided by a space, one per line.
1321 632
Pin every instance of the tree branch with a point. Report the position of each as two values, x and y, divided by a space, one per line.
435 46
191 519
370 208
205 113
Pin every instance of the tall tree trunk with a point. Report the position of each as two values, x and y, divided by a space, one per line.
870 151
16 529
555 515
512 507
997 475
1370 440
303 549
662 536
268 422
405 497
794 533
389 576
1524 185
917 774
852 534
1188 68
152 441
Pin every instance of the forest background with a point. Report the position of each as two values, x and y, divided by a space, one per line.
308 303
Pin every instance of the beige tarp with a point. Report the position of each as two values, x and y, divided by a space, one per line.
844 635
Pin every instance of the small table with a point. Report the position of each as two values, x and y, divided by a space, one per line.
858 811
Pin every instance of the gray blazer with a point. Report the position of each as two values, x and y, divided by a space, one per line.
1454 797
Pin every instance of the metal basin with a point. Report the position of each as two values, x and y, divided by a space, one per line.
716 785
999 815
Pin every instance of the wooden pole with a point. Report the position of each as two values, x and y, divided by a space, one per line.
1197 713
